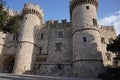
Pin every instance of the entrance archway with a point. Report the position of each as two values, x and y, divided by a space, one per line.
8 65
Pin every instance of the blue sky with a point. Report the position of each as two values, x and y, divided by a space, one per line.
59 9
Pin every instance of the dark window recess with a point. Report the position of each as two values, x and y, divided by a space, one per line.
3 38
87 7
58 47
108 55
116 62
35 35
42 36
59 66
94 22
110 40
102 40
84 39
15 37
41 60
112 29
26 17
40 50
60 34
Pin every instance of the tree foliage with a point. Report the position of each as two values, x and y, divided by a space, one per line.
115 47
12 25
7 23
112 73
3 15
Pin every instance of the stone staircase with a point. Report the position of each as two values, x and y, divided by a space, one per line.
36 77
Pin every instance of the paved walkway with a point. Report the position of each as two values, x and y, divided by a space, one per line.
34 77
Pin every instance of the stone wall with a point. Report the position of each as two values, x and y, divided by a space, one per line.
52 58
108 34
65 54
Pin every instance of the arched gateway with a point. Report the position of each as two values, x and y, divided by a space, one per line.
8 64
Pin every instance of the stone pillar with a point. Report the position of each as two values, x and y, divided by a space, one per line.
2 41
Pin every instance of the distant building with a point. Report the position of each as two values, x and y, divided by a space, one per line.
76 48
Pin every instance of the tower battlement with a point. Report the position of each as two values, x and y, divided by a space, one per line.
31 8
74 3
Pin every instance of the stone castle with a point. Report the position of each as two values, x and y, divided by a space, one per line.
76 48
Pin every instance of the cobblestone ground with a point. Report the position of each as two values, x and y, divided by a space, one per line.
32 77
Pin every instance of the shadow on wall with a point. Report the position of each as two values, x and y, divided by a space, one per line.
87 54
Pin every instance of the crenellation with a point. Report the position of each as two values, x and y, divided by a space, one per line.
49 22
55 23
31 8
109 28
64 21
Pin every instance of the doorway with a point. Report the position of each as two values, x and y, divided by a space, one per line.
8 65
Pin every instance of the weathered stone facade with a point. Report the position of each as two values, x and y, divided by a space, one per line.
75 49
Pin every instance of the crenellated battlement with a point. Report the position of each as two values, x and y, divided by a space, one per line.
31 8
108 28
57 23
74 3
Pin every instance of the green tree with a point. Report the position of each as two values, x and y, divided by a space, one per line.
12 25
3 15
115 47
112 73
7 23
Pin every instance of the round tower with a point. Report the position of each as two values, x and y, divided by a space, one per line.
32 17
87 59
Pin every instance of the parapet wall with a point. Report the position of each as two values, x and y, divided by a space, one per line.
108 28
31 8
56 23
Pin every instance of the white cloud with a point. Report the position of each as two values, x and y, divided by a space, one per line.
113 20
118 12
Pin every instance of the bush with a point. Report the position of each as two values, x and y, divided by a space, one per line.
112 73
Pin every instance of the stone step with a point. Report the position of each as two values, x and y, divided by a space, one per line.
37 77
